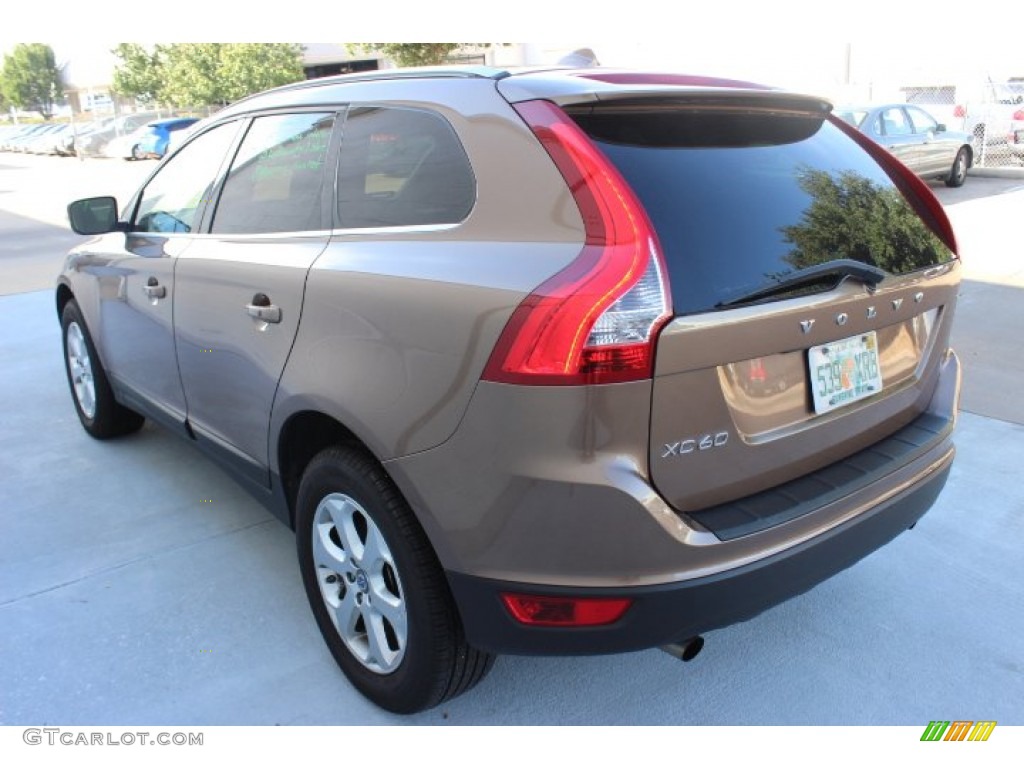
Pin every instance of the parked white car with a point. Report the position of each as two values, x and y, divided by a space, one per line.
125 147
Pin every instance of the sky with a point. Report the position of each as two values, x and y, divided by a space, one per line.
791 43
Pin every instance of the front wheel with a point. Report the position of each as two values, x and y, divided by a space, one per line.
101 415
376 588
958 172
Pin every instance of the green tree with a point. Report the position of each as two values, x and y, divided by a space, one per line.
191 74
247 68
414 54
140 74
218 73
853 217
30 80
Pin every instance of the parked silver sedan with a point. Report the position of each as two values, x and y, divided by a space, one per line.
923 144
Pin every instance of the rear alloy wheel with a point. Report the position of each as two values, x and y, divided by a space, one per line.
359 583
958 173
376 589
101 415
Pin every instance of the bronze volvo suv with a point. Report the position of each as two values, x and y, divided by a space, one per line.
534 362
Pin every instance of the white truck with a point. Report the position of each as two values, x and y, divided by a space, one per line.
987 109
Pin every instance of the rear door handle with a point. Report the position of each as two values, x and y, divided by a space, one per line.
262 309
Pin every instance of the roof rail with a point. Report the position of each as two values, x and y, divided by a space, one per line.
397 73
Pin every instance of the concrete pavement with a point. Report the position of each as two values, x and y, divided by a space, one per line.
127 598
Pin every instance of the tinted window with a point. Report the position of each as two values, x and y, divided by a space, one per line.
402 167
172 199
742 198
276 180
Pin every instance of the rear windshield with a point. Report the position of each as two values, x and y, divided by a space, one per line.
743 197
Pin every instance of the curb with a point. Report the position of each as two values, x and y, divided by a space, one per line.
997 173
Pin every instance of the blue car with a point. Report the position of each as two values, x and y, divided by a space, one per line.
158 133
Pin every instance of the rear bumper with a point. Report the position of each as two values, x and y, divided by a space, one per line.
667 613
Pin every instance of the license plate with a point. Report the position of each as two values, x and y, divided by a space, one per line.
844 371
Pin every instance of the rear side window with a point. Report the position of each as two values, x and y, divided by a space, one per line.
895 123
923 122
741 198
276 180
401 167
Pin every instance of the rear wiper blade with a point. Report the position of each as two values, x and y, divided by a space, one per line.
829 275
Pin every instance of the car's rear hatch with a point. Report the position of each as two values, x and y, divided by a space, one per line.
747 190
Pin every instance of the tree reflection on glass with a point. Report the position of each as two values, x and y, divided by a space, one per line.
854 217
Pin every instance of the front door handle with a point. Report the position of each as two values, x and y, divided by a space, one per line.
153 289
262 309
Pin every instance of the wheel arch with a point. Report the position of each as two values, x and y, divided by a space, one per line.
306 432
63 296
302 436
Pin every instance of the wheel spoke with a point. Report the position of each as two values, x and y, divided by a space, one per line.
346 615
391 608
377 640
375 551
326 553
342 513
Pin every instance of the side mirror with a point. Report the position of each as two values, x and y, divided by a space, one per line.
940 128
94 216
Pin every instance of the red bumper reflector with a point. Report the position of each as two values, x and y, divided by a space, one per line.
540 611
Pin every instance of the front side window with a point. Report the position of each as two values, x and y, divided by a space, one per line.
276 180
172 199
402 167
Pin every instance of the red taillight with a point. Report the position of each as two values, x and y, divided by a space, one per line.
541 611
959 111
595 321
1019 114
914 190
757 372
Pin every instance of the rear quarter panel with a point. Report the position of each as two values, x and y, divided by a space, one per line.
398 323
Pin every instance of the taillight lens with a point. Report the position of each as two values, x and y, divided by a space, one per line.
595 321
542 611
917 193
1019 114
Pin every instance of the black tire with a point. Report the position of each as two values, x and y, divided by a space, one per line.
433 662
101 415
958 171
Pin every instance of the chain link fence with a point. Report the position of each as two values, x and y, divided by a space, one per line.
992 112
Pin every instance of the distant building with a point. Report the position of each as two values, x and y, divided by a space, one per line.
326 59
